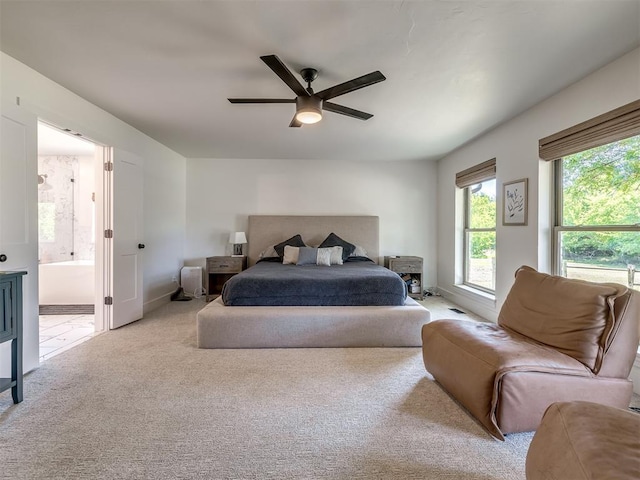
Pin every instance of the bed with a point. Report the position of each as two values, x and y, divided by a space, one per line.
356 282
290 326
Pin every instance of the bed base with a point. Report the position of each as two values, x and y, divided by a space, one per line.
219 326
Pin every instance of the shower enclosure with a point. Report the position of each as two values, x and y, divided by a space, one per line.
66 226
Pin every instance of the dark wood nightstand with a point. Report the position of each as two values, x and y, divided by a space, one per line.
409 268
219 270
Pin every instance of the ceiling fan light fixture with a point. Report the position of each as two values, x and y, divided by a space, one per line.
308 109
310 105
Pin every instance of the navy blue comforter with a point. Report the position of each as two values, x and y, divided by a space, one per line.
352 284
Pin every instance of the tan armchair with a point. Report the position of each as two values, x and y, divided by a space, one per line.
557 340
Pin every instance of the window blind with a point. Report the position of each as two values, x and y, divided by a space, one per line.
474 175
623 122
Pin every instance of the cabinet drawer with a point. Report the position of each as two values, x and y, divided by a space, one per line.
225 264
405 266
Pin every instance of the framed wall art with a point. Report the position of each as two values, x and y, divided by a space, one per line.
514 202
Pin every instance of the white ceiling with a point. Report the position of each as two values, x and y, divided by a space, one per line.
454 69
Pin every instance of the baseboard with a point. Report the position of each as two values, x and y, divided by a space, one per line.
157 302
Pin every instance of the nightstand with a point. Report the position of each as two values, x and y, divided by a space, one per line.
409 268
219 270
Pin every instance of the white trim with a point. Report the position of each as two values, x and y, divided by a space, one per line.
156 303
101 258
478 302
477 294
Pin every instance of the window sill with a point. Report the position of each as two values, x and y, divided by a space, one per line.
480 296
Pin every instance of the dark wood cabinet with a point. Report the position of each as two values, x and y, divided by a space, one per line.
11 329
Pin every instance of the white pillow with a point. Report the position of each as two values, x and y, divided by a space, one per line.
290 255
359 252
269 252
324 256
336 255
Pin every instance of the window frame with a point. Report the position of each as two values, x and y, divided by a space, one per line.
559 228
467 230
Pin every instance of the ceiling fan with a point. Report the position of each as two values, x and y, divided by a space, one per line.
309 105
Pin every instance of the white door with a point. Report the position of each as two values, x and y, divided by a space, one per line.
128 243
19 221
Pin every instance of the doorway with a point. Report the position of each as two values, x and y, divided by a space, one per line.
66 239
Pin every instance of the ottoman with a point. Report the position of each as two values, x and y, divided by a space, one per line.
584 440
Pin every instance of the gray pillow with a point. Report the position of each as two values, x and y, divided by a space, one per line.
307 256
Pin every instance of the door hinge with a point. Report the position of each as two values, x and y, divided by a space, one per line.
108 233
108 300
108 167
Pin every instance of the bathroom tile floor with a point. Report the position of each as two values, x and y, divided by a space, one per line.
62 332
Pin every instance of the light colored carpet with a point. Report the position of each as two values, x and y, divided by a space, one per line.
143 402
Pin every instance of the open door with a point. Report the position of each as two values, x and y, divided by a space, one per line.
19 221
124 238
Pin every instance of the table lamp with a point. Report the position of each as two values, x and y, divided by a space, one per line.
238 239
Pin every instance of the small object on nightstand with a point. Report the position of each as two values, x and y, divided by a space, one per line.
410 270
238 239
219 270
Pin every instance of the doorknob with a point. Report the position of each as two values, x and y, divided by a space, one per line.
141 245
3 258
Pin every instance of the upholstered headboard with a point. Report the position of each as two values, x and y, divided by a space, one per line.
267 230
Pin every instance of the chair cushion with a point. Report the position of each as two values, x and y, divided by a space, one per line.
572 316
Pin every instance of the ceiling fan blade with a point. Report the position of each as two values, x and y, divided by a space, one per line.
285 74
352 85
295 122
261 100
349 112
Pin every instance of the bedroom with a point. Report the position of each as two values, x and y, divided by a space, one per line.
192 203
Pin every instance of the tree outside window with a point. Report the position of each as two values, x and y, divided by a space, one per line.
598 214
480 236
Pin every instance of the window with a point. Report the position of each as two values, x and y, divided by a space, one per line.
597 231
597 215
480 236
479 243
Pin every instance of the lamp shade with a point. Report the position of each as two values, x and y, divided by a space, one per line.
308 109
237 237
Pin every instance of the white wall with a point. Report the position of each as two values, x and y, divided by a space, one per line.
222 193
164 177
515 147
